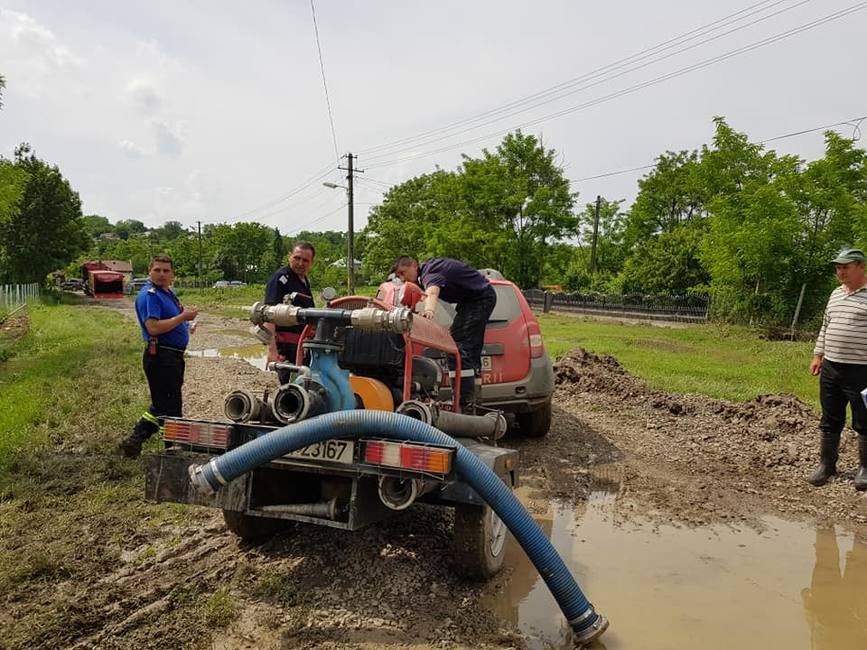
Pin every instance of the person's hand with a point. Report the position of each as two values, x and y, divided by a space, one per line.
189 313
816 365
428 313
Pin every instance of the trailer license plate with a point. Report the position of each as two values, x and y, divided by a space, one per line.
334 451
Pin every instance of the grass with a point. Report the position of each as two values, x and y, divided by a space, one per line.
724 362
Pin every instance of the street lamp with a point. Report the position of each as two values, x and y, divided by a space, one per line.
350 247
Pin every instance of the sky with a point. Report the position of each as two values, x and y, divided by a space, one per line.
216 112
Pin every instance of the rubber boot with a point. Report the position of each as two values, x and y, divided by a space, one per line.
827 459
861 476
131 445
468 395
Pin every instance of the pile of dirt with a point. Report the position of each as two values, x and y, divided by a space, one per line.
690 457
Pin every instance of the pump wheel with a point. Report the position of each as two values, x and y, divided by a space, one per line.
479 541
252 529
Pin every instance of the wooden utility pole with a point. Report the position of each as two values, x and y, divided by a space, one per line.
595 235
350 232
200 254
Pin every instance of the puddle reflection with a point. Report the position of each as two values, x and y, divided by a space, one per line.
252 354
792 586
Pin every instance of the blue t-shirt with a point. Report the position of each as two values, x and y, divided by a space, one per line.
458 282
160 304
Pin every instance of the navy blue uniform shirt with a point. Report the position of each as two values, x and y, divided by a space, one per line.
284 282
458 282
160 304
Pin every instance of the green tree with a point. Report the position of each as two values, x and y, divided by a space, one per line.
95 225
44 230
128 227
668 263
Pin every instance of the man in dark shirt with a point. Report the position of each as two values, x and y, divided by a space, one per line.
291 279
452 281
166 330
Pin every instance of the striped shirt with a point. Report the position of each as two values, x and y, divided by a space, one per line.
843 337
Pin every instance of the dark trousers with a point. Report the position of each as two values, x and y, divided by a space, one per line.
841 384
165 374
468 331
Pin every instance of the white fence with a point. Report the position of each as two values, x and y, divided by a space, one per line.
13 295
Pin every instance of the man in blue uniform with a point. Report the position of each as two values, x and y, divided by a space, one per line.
450 280
166 330
288 280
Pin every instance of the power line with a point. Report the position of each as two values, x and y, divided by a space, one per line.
280 199
507 110
325 85
317 220
853 122
636 87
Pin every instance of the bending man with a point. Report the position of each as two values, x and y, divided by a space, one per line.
474 299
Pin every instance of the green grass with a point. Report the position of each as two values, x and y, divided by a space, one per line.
725 362
73 375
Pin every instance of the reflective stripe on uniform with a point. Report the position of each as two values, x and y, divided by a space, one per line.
150 417
464 373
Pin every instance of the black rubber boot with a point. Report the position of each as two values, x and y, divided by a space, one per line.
861 476
131 445
827 468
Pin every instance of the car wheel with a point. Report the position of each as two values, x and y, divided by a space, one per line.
536 423
479 541
250 528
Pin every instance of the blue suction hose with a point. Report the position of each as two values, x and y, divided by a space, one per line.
585 622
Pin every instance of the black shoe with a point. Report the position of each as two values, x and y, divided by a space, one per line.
861 476
131 446
827 459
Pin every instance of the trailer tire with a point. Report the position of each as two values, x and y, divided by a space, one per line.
479 541
250 528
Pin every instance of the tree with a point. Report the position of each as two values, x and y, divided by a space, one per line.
668 263
171 230
128 227
95 225
278 250
501 210
44 230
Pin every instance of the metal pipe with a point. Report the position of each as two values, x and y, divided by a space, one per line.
491 425
326 509
241 406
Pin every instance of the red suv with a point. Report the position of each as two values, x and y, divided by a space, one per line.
517 375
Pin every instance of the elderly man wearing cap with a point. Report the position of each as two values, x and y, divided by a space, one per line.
841 357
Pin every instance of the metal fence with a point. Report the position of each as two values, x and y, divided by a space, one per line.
689 308
14 295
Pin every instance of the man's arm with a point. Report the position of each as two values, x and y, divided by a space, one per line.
819 349
156 327
430 303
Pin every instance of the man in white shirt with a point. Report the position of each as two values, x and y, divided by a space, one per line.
840 356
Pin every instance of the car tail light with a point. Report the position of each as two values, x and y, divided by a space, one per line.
537 347
401 455
205 434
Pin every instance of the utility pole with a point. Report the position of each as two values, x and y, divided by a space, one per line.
199 223
350 233
595 235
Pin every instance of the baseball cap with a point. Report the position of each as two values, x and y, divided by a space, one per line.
847 255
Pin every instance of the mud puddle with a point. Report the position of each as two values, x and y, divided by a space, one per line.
790 586
254 354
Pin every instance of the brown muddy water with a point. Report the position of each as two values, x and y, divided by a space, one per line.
789 586
252 354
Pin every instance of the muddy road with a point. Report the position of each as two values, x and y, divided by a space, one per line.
664 461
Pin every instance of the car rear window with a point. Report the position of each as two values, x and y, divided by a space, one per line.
507 307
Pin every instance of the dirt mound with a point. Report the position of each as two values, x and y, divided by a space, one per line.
696 458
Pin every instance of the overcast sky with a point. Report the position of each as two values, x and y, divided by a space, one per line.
214 111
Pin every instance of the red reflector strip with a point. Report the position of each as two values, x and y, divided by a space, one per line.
408 456
208 434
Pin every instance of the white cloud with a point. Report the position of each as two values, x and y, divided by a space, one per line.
143 96
32 54
168 143
131 149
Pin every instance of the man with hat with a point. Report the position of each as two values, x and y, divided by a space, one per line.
840 356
